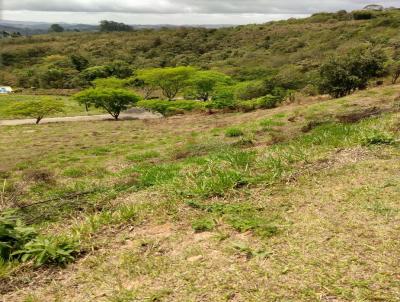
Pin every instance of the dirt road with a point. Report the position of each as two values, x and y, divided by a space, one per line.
140 115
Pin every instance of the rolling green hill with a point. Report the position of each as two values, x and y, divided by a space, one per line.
294 48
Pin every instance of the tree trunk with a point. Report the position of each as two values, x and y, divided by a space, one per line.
38 120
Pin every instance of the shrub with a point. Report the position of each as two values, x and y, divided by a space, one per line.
342 75
224 98
363 15
233 132
268 101
250 90
171 108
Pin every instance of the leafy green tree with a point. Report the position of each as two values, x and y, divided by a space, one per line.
37 109
113 100
342 75
109 26
146 89
56 28
203 83
171 80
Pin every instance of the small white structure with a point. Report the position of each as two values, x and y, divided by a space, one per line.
5 90
374 7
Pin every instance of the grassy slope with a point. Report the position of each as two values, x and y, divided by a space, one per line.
307 212
72 108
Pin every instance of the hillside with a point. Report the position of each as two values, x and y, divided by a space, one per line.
297 203
293 48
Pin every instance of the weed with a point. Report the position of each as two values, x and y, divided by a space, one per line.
48 250
250 252
13 234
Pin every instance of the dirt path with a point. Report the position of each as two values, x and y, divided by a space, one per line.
103 117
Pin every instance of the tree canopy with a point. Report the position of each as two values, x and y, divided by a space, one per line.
171 80
37 109
204 83
112 100
56 28
109 26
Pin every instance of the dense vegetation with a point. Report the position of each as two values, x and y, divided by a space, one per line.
289 52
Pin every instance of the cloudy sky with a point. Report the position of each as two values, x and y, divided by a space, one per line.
173 11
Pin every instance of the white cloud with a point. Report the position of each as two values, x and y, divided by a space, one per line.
189 6
174 11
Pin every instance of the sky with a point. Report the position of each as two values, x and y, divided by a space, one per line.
173 11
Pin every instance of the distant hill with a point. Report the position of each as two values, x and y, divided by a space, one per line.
294 49
35 28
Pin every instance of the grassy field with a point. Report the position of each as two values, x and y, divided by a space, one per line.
72 108
297 203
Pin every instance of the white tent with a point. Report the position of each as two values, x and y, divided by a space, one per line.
5 89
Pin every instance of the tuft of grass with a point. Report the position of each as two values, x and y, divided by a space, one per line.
377 138
269 123
74 172
234 132
242 217
203 225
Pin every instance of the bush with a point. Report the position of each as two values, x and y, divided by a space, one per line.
268 101
363 15
172 107
224 98
250 90
342 75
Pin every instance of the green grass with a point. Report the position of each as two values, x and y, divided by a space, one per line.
177 212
